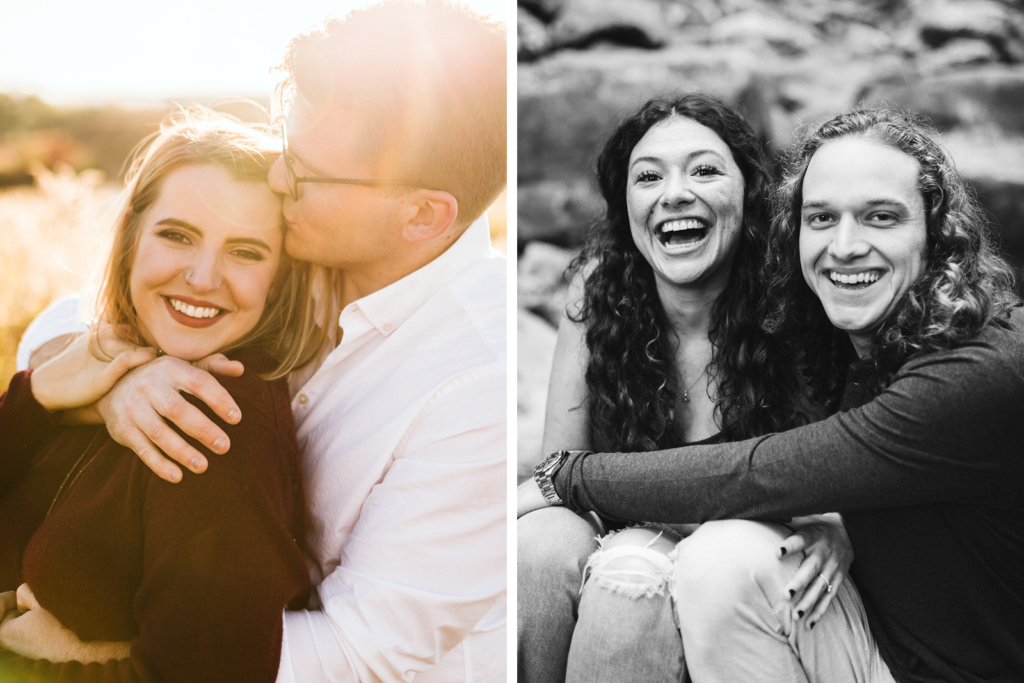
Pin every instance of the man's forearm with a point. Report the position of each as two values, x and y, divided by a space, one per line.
311 650
60 321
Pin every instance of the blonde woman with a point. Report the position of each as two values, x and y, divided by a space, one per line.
120 575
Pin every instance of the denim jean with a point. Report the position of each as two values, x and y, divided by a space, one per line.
738 625
720 594
620 627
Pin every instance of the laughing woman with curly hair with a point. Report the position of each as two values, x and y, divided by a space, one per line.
660 347
884 280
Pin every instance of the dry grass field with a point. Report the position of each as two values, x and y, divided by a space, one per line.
52 236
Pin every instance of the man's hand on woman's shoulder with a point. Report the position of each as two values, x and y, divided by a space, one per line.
137 409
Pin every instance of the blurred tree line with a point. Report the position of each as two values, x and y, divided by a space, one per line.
101 137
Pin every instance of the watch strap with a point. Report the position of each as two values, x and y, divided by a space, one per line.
544 474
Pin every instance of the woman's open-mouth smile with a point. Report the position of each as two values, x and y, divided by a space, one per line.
191 315
682 234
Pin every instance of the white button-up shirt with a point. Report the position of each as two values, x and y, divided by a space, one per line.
403 437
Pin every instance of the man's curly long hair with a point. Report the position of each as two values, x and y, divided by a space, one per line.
632 379
965 286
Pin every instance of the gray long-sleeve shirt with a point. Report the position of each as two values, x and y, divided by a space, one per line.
929 476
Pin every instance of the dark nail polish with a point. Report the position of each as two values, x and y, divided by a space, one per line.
792 593
783 551
812 625
800 614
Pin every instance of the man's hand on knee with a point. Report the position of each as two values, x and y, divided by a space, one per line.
136 408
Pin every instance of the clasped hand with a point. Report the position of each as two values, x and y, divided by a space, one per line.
135 411
29 630
86 369
106 379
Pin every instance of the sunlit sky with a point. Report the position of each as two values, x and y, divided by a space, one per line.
76 52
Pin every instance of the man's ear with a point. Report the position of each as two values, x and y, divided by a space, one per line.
432 213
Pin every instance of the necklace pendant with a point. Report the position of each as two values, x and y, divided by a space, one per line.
686 397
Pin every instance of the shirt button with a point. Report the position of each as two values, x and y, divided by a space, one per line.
387 327
303 399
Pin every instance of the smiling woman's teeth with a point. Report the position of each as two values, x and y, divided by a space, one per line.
854 278
686 224
193 311
683 231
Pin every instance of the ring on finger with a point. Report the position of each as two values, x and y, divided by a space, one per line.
828 586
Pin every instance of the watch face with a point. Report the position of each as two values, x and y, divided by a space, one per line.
547 462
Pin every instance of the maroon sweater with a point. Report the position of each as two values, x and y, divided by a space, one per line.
195 574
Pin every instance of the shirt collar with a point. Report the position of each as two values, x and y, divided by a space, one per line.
391 306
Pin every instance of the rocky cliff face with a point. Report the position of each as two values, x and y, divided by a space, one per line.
585 64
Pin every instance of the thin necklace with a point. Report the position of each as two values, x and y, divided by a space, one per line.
75 467
686 393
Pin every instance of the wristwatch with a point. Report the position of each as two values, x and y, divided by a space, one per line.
543 473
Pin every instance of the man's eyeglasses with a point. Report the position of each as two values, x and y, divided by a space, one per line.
294 180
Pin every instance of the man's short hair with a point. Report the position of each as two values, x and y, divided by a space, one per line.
431 79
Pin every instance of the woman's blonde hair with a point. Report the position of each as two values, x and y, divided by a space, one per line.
289 329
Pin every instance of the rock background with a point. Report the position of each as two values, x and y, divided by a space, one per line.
585 64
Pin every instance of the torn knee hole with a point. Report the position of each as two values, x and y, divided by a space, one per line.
632 571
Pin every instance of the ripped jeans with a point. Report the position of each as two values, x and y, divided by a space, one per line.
720 591
620 627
